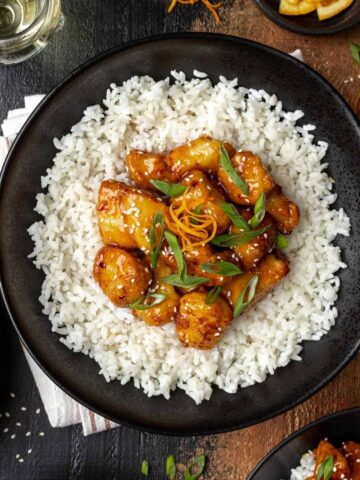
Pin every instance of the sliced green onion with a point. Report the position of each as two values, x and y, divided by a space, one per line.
169 189
197 464
259 211
170 467
228 240
180 279
145 468
281 241
227 269
326 469
185 282
229 169
140 305
213 295
196 211
240 305
234 216
355 52
155 246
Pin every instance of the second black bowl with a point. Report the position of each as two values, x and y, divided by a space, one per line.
339 427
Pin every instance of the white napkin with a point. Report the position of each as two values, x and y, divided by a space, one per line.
60 408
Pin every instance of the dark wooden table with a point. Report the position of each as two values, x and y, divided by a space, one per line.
91 27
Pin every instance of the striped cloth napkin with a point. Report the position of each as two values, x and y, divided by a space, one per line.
60 408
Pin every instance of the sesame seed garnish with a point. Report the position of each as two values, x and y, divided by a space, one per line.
5 430
41 434
18 424
21 460
23 409
27 434
29 451
17 455
13 436
12 395
7 414
37 411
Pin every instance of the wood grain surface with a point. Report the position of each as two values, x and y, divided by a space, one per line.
91 27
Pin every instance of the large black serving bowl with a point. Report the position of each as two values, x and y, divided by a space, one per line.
255 66
339 427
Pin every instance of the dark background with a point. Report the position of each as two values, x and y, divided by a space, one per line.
91 26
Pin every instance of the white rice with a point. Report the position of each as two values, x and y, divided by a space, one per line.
306 468
151 115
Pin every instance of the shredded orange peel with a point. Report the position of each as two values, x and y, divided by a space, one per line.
211 6
193 229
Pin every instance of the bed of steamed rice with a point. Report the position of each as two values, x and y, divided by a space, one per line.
306 468
151 115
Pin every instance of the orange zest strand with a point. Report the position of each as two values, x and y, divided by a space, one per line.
193 229
211 6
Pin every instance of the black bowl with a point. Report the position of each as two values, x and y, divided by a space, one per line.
257 66
339 427
310 24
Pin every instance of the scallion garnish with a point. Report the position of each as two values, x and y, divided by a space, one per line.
140 305
355 52
326 469
240 305
229 240
180 279
227 269
228 167
156 244
169 189
259 211
213 295
197 464
170 468
281 241
145 468
234 216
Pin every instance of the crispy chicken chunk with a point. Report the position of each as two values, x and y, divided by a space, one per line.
202 154
253 172
271 270
203 197
112 223
351 452
252 252
146 166
122 276
166 311
341 466
199 325
130 218
285 212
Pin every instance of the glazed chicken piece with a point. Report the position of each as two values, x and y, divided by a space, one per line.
351 452
252 252
285 212
165 311
129 220
199 325
271 270
123 276
112 224
203 197
146 166
202 154
341 466
251 169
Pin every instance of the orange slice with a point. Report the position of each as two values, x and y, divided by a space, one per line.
328 9
302 8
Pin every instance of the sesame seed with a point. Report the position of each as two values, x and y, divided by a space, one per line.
12 436
41 434
5 430
18 424
27 434
17 455
12 395
21 460
7 414
29 451
23 409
